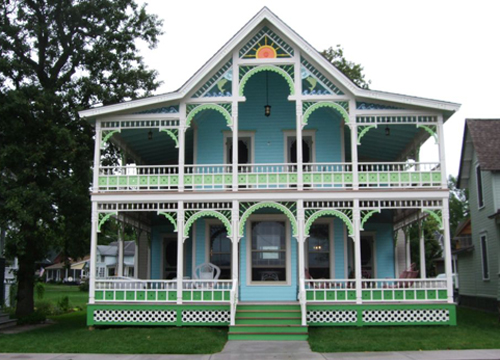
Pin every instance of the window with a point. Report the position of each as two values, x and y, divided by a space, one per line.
484 256
307 148
245 147
100 272
220 250
268 251
318 249
479 185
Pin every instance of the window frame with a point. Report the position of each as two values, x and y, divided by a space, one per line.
305 133
484 256
288 262
479 188
241 134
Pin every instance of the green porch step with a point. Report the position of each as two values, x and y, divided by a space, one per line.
268 322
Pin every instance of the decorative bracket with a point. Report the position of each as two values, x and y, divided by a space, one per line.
436 215
286 208
365 215
363 129
224 109
222 215
170 217
174 134
108 136
103 218
345 215
431 129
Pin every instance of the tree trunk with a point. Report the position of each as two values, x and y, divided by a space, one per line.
25 285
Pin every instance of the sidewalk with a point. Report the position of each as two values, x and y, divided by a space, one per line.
276 350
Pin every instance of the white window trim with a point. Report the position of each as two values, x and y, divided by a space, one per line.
263 217
293 133
479 182
208 223
329 222
485 235
241 134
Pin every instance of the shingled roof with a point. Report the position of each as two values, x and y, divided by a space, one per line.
482 135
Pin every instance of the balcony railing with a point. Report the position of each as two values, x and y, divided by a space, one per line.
377 290
269 176
135 290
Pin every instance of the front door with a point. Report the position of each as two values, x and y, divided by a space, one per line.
266 273
169 258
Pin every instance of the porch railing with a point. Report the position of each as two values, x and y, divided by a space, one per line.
377 290
269 176
135 290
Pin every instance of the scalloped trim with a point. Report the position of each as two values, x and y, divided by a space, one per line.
322 104
259 69
207 213
215 107
272 205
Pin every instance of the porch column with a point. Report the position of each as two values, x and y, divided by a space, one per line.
93 252
97 154
235 145
182 138
121 229
356 222
180 249
301 271
442 161
423 272
408 247
447 249
354 144
235 213
298 141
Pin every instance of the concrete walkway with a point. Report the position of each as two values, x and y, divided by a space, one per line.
276 350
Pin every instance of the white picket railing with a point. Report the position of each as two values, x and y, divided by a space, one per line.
327 175
269 176
399 174
136 290
377 290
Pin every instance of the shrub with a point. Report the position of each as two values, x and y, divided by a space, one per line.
37 317
84 286
63 304
40 290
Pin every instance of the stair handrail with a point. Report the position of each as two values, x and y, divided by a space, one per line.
302 301
233 301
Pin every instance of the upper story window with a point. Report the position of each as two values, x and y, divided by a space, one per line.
484 256
479 186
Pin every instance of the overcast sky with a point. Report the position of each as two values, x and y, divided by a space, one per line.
445 50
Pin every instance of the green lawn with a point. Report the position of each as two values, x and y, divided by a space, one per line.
475 330
54 293
71 335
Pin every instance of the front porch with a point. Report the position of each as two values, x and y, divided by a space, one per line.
336 260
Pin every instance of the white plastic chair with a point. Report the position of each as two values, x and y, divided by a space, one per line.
207 271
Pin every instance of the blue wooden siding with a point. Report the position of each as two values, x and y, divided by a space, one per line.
269 136
339 249
384 249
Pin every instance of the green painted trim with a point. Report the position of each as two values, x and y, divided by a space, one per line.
269 204
169 307
108 136
261 68
436 217
104 219
173 135
207 213
364 130
384 307
431 131
322 104
215 107
170 218
368 215
332 212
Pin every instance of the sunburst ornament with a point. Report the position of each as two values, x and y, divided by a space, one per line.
266 52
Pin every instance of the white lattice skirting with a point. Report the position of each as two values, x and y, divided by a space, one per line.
134 316
332 316
205 316
406 316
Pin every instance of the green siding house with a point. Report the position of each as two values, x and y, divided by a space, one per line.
479 267
287 179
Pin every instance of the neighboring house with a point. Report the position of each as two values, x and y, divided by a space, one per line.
107 259
75 271
480 173
212 173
